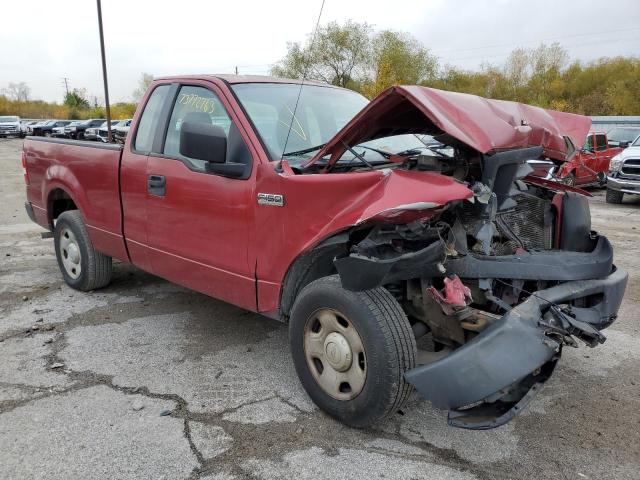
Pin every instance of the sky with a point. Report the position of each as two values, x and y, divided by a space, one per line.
43 41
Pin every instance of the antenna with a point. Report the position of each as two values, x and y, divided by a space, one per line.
304 76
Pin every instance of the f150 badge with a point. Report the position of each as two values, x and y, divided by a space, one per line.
273 199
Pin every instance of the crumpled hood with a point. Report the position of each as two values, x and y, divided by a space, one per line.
482 124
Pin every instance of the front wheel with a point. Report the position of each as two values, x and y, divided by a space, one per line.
570 180
613 196
82 267
351 350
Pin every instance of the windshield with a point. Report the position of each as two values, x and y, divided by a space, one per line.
8 119
623 134
321 112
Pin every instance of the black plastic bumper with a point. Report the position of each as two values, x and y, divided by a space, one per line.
517 348
362 273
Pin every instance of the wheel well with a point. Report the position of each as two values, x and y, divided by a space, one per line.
59 201
309 266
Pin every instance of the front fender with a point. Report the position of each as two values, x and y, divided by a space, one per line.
318 206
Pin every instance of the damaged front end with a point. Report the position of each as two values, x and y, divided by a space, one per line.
495 286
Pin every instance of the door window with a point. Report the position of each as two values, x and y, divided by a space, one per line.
601 143
148 124
199 105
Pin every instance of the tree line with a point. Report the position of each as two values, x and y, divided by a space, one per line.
354 56
16 99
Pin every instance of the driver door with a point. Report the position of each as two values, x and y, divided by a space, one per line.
198 223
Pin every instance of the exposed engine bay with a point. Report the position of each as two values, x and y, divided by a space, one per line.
498 283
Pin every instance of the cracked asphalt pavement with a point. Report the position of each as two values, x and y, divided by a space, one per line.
145 379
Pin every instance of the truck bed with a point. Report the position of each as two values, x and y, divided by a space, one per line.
91 171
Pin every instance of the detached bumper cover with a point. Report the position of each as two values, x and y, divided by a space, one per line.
518 349
358 272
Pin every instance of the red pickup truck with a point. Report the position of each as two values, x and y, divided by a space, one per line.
395 264
587 166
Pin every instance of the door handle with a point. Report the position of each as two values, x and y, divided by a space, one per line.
156 185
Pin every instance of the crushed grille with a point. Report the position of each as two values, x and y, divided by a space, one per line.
530 221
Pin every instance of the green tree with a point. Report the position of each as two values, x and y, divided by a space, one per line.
77 99
143 83
337 55
398 58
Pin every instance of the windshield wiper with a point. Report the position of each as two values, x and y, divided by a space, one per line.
432 148
357 155
303 151
386 155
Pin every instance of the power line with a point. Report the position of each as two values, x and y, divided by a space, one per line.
549 39
504 54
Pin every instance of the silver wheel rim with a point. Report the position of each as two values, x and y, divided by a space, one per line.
335 354
70 253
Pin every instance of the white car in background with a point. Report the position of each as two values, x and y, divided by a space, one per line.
624 173
10 126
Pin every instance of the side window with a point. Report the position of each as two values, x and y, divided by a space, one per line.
149 120
588 145
194 104
601 142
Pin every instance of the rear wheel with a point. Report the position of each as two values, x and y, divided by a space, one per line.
82 267
613 196
351 349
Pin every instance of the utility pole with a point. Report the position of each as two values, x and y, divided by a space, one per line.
236 70
66 85
104 73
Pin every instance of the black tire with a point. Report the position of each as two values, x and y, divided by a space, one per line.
387 338
95 267
613 196
570 180
80 136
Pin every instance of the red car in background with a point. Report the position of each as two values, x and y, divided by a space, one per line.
587 166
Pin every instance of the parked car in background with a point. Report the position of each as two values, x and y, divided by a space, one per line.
34 123
10 126
24 124
62 131
78 130
103 134
91 133
120 132
587 166
624 173
623 136
46 130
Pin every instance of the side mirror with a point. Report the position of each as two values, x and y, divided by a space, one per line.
203 141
